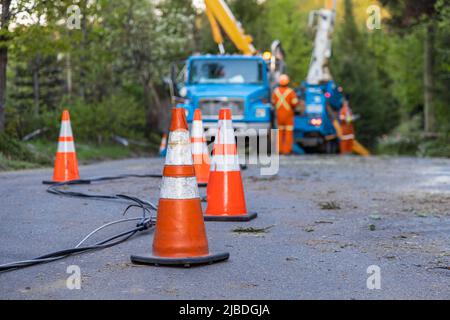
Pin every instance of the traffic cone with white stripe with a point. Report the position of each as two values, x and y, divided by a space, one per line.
180 235
225 192
66 164
200 152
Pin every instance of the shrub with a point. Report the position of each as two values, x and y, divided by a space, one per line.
408 139
13 149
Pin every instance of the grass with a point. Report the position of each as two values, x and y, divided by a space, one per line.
8 164
87 153
17 155
409 139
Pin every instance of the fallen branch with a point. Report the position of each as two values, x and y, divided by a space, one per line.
34 134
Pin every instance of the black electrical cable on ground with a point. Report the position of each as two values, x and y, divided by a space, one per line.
67 252
118 177
147 221
144 224
54 188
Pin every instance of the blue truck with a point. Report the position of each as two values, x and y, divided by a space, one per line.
238 82
314 129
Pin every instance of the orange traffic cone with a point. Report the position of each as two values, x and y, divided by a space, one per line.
180 235
66 164
163 145
225 192
200 152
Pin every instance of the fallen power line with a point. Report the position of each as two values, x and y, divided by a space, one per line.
145 222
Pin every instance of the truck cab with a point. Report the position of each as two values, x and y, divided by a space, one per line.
238 82
314 128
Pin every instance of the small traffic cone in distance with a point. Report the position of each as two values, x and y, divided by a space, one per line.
66 164
200 152
180 235
163 145
225 191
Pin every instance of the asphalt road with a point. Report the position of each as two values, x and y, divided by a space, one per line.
390 212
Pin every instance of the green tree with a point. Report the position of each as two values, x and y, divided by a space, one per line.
4 35
288 23
442 66
404 15
354 67
146 43
13 35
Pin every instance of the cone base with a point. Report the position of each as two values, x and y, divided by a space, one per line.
180 262
241 218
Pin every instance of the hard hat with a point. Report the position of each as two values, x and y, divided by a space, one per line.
284 80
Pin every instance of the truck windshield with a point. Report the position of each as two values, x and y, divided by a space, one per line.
226 71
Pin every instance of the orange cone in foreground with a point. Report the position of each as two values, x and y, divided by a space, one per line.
225 192
66 164
180 235
200 152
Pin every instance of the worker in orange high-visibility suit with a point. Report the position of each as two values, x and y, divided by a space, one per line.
285 101
348 131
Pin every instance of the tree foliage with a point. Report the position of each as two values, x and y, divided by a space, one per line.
109 72
118 49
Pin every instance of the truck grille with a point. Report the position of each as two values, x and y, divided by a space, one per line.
210 107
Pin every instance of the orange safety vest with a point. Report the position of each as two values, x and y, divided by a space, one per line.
346 118
284 97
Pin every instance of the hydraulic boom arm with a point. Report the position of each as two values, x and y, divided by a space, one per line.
219 13
318 69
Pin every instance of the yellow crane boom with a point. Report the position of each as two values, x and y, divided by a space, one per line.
217 35
219 13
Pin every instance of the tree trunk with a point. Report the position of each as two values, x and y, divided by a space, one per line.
429 115
160 111
149 109
83 45
4 23
36 87
3 64
68 75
